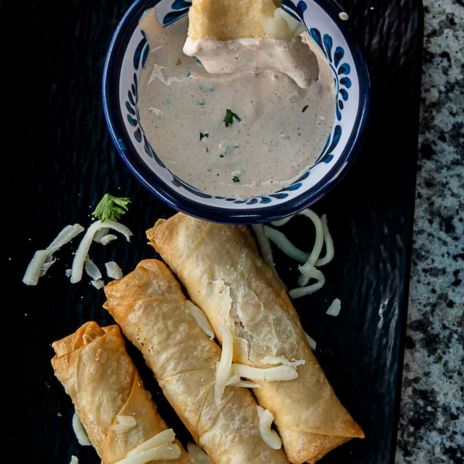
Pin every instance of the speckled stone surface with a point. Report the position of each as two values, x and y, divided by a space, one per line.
432 410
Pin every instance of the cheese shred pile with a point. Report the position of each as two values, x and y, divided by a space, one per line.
311 278
98 233
43 259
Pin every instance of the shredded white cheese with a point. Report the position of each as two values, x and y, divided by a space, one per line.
334 308
319 239
274 360
124 424
65 236
159 453
200 319
283 243
100 234
156 448
269 436
74 460
79 431
43 259
312 343
35 268
263 244
269 374
197 455
47 265
86 242
235 381
308 271
92 270
163 438
107 239
308 261
328 243
224 366
98 284
113 271
265 249
309 290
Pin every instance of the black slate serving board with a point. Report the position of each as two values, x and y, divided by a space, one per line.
59 161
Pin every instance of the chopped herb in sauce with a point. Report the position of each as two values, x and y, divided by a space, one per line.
203 135
229 118
235 179
201 101
305 108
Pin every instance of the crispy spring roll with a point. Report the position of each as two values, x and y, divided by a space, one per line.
154 314
101 379
224 275
226 20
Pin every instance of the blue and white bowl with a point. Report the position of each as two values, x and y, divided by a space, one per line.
125 60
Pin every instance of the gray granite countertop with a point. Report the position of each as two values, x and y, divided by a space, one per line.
432 411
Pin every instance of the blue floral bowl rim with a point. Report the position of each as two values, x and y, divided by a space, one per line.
149 179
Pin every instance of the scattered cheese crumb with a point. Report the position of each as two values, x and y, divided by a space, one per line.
311 341
92 270
98 284
113 271
334 308
74 460
343 16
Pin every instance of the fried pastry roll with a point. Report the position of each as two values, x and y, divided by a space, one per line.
221 269
153 313
116 411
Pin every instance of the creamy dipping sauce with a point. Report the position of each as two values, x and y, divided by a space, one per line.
248 133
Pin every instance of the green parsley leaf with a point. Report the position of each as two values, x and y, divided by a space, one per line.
229 118
204 135
305 108
235 179
111 208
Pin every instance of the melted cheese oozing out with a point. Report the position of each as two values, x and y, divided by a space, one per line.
274 129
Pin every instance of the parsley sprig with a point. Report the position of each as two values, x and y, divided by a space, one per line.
111 208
